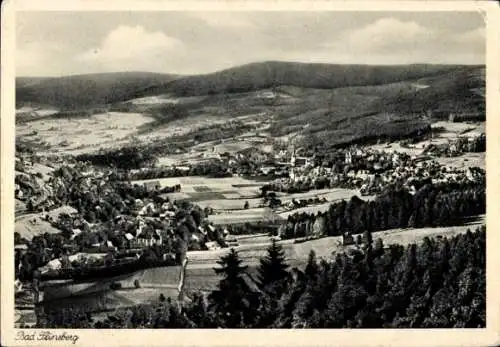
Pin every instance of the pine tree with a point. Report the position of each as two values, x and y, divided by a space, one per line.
273 267
368 238
233 302
312 267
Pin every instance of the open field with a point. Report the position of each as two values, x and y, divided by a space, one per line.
80 135
113 299
230 203
450 131
196 184
165 99
19 206
33 224
330 194
244 216
30 226
308 209
465 161
31 112
183 126
236 190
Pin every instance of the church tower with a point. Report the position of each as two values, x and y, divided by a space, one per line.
293 160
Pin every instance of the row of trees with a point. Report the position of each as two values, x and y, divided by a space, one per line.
212 168
431 206
131 157
439 283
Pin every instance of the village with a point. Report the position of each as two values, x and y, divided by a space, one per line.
73 214
247 169
151 221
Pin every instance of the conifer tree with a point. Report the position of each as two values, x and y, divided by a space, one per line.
368 238
273 267
312 267
232 302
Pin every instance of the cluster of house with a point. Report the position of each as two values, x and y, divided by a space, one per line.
39 189
373 170
295 204
166 213
458 145
32 190
151 224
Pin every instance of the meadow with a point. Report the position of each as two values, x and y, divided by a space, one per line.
80 135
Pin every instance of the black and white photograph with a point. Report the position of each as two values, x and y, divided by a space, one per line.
246 169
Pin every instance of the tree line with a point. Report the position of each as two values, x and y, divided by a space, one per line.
431 206
131 157
439 283
211 168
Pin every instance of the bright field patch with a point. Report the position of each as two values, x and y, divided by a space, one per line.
234 195
464 161
80 135
245 216
195 185
230 204
330 194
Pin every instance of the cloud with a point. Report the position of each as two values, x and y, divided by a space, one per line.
383 34
127 46
199 42
223 19
393 41
31 55
475 36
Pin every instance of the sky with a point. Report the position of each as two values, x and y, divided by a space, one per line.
69 43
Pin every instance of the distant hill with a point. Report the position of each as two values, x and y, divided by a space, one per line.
262 75
323 105
74 92
327 104
77 91
458 91
22 82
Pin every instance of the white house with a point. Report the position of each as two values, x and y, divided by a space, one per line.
76 232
